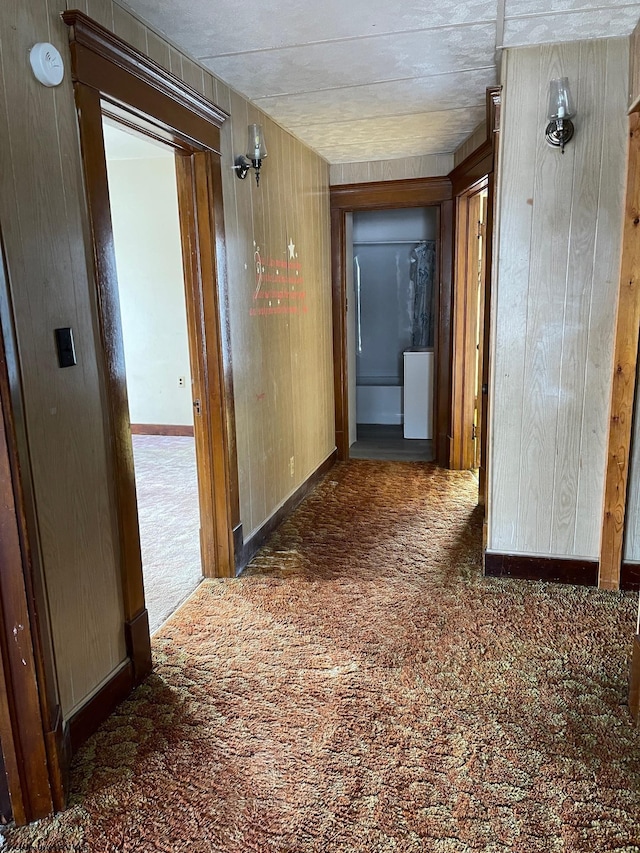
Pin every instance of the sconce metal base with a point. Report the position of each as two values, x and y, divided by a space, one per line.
242 166
558 133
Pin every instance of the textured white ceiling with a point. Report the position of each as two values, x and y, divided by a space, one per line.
374 79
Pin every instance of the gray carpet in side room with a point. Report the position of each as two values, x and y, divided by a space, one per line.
167 491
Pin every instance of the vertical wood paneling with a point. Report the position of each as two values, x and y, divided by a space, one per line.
516 180
558 254
158 50
43 213
476 139
605 278
426 166
548 265
129 28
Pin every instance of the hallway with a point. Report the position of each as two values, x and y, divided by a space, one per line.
363 688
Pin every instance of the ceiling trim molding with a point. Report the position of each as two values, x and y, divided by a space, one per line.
89 36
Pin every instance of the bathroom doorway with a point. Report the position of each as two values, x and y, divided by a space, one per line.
391 320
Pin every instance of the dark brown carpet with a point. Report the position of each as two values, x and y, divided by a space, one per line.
365 689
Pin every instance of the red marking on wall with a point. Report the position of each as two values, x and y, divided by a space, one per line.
286 298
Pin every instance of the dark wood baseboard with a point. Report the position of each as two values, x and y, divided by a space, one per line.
634 680
630 576
86 720
161 429
138 643
554 569
253 544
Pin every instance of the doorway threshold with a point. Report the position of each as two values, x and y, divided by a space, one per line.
387 442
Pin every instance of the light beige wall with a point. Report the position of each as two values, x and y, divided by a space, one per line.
428 166
146 234
558 251
282 365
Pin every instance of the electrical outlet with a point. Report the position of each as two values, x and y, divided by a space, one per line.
292 465
182 381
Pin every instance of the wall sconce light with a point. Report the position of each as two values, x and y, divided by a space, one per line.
561 110
256 152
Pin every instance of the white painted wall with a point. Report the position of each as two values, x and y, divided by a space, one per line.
144 207
554 298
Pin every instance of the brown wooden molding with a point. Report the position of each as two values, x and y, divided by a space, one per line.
136 635
624 374
630 576
84 722
409 192
257 540
89 35
161 429
473 168
553 569
634 680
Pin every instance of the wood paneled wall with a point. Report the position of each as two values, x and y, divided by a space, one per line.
474 141
282 362
558 257
428 166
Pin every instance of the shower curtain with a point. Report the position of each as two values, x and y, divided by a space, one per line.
423 263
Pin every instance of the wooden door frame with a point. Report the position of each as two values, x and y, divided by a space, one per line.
106 69
393 195
481 163
624 381
463 395
31 731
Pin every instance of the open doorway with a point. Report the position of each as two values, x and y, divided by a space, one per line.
391 305
151 288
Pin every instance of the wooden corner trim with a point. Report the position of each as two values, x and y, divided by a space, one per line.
138 644
245 554
552 569
91 35
84 722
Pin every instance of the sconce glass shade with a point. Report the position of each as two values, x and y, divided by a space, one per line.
256 152
256 147
561 110
561 104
